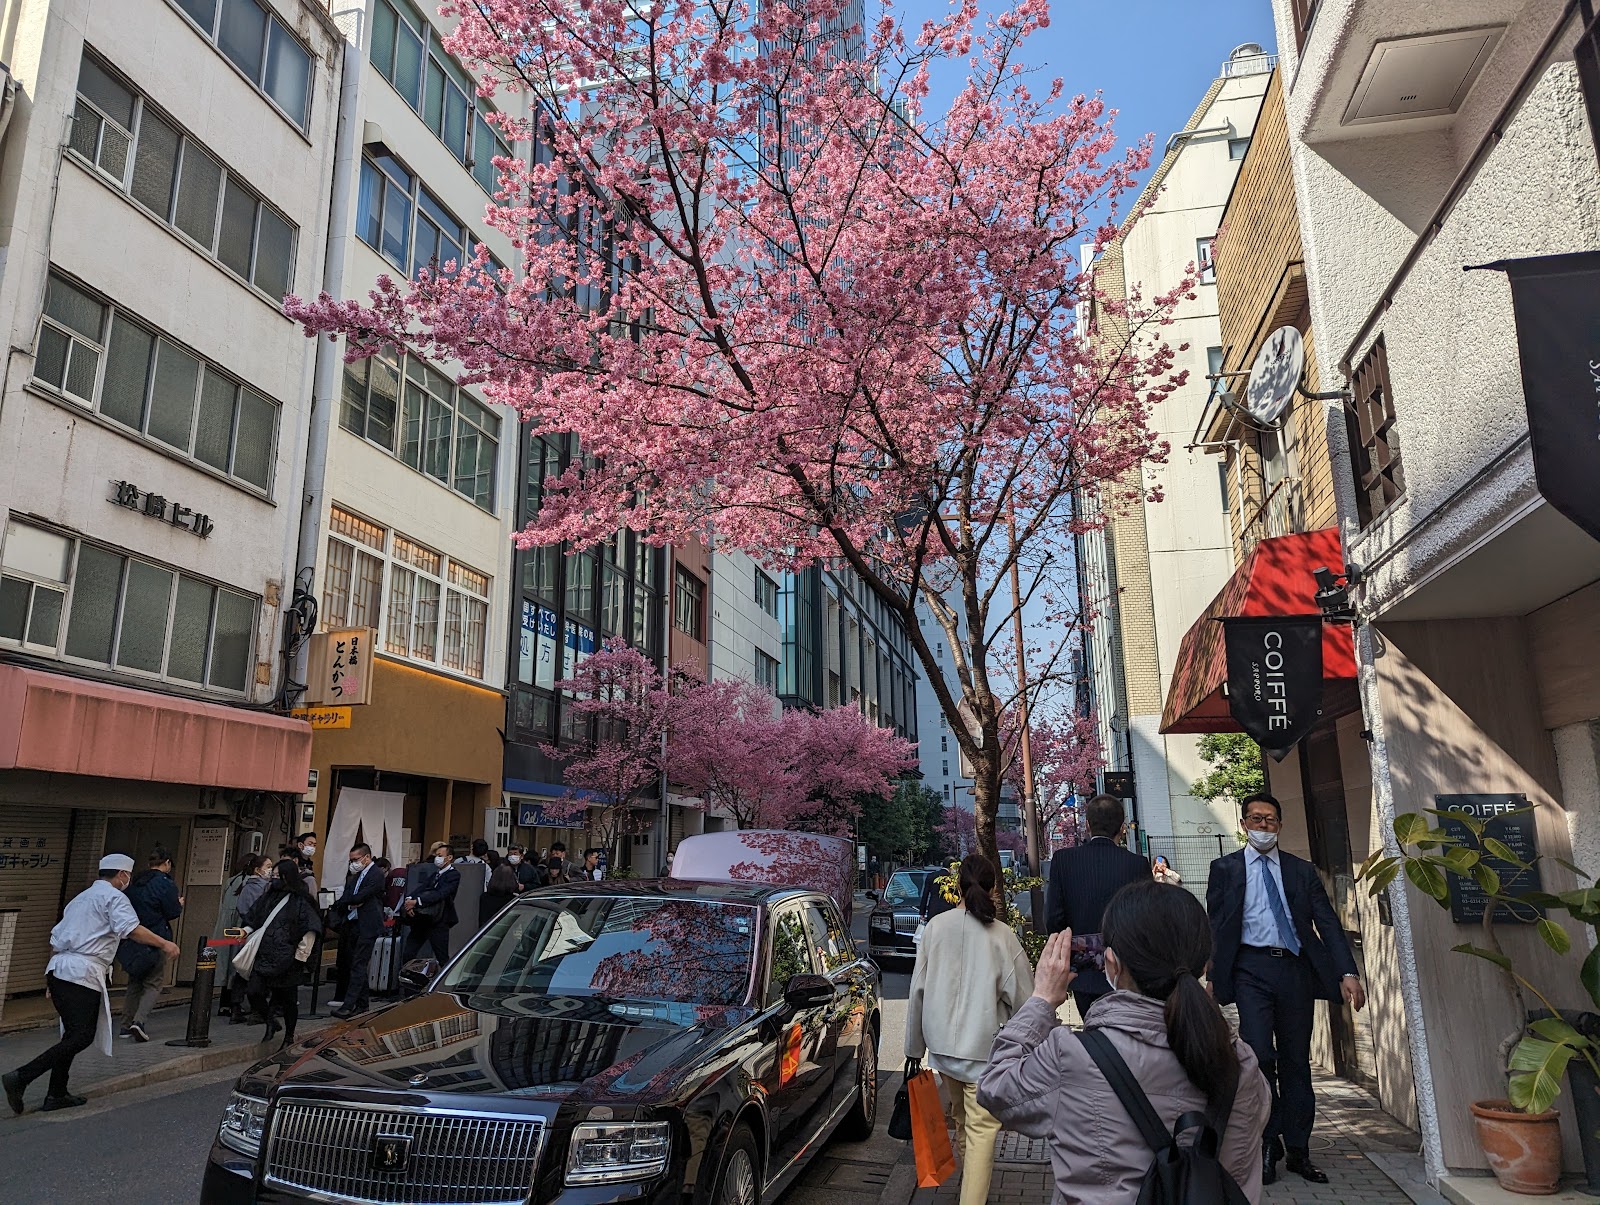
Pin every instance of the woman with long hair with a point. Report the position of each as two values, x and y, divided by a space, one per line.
971 975
1165 1025
279 969
1161 871
252 876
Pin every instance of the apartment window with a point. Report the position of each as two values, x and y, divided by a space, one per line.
105 359
262 47
424 418
1203 252
766 594
944 744
87 603
1222 482
149 158
1374 441
407 53
767 671
945 767
1303 13
424 605
688 600
947 792
1237 147
406 224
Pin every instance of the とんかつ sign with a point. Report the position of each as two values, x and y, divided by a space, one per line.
341 668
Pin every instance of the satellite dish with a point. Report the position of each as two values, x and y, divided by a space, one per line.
1275 376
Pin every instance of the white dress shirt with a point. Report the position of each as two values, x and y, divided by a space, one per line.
1260 925
86 937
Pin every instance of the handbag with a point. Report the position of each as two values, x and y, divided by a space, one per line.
900 1116
244 960
930 1140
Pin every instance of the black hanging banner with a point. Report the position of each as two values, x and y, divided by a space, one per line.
1556 299
1275 677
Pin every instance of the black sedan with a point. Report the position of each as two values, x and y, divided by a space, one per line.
646 1042
892 924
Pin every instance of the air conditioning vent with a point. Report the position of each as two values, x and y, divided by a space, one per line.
1425 76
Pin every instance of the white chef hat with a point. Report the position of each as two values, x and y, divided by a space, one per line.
117 862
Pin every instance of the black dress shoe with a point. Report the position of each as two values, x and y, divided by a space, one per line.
1299 1162
1271 1152
13 1086
52 1103
344 1014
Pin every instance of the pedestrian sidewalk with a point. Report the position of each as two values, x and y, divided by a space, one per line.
1353 1135
135 1064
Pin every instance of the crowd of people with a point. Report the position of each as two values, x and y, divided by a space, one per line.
1131 947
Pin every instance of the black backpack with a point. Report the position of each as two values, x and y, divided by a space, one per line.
1183 1173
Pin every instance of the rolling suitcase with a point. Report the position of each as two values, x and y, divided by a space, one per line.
383 975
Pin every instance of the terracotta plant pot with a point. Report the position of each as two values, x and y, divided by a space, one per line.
1524 1149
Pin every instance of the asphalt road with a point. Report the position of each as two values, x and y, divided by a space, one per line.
148 1147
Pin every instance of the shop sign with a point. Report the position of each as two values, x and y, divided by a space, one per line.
208 856
537 646
532 815
1556 300
129 496
28 851
1508 818
341 668
322 719
1275 677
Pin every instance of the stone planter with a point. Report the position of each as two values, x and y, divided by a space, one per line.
1523 1149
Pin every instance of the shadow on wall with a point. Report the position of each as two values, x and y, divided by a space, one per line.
1461 716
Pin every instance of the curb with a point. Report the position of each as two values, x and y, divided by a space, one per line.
902 1185
189 1064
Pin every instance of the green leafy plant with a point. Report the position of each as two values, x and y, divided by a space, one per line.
1016 884
1236 771
1536 1056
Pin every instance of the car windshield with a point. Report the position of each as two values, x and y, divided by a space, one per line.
632 948
905 887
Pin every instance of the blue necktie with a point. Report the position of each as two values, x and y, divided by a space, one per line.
1286 934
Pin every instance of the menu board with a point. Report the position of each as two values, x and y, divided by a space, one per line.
1507 821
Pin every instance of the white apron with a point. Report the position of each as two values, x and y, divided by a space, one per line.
84 971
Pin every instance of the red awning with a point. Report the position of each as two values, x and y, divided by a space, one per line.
1275 579
75 726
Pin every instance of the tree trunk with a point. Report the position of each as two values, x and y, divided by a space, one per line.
986 790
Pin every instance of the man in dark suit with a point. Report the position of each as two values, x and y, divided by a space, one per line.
359 911
1277 947
1083 878
436 893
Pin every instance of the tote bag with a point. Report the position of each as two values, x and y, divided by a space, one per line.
244 960
936 1161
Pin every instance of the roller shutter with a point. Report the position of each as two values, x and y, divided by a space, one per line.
33 866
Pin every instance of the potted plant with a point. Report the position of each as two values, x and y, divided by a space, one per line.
1520 1134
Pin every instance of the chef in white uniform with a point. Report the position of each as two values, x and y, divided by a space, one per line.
85 941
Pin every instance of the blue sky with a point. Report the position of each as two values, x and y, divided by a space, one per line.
1152 59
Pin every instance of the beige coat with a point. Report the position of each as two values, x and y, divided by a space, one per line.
1041 1081
970 978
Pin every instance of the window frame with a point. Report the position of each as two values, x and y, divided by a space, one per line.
1370 422
303 124
178 574
124 184
767 670
343 527
1205 259
1243 145
110 314
766 593
688 602
379 163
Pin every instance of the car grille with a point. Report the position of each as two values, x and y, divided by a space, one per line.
906 922
453 1159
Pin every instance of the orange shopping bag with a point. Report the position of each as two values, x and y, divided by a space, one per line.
936 1162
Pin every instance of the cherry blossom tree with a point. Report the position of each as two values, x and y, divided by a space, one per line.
733 747
833 324
1067 757
618 762
843 758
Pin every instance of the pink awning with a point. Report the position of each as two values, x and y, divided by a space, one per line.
74 726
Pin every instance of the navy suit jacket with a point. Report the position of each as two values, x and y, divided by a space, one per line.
368 902
443 888
1322 940
1083 878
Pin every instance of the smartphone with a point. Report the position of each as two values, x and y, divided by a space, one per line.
1088 953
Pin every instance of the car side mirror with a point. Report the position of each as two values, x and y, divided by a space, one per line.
808 991
873 896
417 974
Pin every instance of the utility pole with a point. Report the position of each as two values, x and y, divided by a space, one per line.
1030 801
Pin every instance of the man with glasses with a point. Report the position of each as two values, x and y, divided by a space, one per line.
1277 948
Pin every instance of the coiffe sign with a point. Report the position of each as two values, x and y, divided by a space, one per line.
1275 677
1556 299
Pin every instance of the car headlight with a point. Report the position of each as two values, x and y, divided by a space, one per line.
630 1150
880 922
243 1120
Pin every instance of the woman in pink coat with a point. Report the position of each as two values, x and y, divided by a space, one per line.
1041 1081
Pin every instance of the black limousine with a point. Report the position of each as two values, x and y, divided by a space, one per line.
648 1042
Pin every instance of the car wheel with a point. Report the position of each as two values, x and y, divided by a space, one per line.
739 1182
858 1124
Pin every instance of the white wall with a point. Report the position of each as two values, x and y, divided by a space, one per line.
739 625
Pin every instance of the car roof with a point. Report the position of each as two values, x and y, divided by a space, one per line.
753 894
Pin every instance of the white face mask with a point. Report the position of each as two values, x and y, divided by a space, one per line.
309 850
355 868
1260 841
440 860
513 858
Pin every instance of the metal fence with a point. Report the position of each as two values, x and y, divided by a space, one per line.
1191 857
